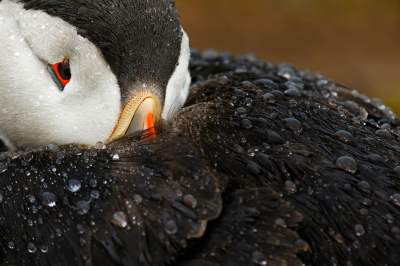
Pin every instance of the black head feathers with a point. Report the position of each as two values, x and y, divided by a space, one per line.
140 40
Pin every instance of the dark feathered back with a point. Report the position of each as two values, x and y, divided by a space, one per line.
308 173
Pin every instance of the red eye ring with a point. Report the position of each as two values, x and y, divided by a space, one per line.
61 73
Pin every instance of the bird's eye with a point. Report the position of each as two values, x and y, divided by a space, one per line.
61 73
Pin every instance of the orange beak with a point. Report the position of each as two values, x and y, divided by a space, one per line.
140 113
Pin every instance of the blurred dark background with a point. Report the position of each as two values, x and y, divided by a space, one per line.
355 42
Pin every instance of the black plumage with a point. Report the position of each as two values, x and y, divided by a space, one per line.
265 165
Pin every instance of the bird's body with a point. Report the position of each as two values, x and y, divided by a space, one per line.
264 166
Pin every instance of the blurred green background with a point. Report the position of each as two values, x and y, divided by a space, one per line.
355 42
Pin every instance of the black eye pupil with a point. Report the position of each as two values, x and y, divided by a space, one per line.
64 70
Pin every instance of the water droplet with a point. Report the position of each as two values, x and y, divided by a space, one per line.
119 219
302 245
356 244
44 248
347 163
115 157
93 183
31 199
344 136
247 84
60 155
383 133
389 218
395 198
360 231
356 110
286 71
81 229
49 199
248 101
386 126
294 124
138 199
246 123
254 168
279 222
278 93
366 202
294 84
290 187
82 241
397 170
170 227
30 222
58 232
100 146
293 92
339 238
376 158
241 111
190 201
274 137
266 83
52 147
83 207
11 245
95 194
3 167
259 258
32 248
269 97
74 185
298 82
364 186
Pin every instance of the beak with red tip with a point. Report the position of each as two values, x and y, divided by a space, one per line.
140 113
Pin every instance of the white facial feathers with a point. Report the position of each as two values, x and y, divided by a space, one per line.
32 110
179 83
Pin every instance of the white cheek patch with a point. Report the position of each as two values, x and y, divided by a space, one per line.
179 83
32 110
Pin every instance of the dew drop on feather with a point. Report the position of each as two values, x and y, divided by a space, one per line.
259 258
119 219
347 163
49 199
74 185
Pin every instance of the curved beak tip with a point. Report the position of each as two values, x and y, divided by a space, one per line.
137 115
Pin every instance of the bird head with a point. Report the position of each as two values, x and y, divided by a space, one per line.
80 71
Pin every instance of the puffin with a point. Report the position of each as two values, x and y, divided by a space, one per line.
89 71
113 158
